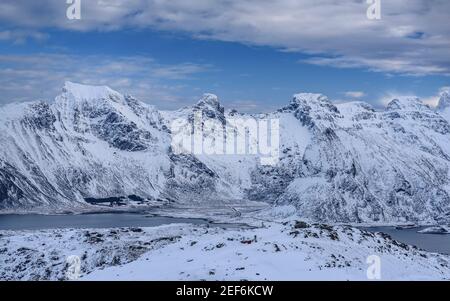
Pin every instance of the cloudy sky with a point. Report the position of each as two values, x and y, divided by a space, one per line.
254 54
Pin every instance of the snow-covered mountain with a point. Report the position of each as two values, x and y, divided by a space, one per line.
367 165
338 162
93 143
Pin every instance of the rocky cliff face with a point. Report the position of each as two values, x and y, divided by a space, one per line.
92 142
365 165
338 162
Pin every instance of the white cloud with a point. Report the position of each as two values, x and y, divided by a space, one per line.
411 37
355 94
405 66
181 71
20 36
432 101
31 77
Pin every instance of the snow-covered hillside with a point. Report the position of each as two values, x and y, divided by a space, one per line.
372 165
288 251
93 142
338 162
361 164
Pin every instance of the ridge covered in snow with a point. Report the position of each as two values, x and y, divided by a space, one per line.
288 251
338 162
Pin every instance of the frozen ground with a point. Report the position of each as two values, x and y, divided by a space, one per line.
276 251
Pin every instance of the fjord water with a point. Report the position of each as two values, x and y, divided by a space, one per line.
439 243
83 221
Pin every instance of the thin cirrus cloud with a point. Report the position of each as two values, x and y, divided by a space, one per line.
20 37
409 39
355 94
28 77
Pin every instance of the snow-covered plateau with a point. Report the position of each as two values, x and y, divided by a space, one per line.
94 149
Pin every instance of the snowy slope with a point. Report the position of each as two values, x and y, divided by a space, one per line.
290 251
338 162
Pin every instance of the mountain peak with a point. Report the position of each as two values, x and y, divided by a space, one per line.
314 103
313 110
90 92
444 100
310 97
406 103
210 106
209 99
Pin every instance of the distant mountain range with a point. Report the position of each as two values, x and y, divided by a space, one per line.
338 162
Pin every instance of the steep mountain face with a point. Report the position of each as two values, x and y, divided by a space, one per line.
94 143
338 162
365 165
